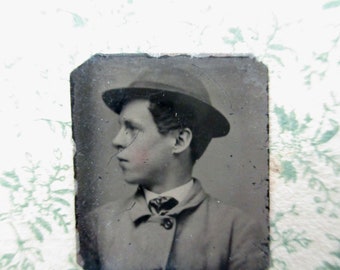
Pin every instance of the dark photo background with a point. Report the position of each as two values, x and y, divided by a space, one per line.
234 168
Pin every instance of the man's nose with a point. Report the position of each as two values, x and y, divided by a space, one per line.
119 141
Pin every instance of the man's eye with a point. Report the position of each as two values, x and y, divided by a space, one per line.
130 127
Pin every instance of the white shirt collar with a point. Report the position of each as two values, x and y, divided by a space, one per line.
179 193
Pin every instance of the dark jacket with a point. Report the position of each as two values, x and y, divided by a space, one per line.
199 233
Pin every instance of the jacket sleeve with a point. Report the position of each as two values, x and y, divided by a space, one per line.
249 248
88 243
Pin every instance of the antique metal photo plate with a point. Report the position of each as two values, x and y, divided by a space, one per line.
233 169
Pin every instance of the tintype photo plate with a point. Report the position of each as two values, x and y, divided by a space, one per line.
212 146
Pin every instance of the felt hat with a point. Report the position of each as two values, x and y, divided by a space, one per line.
178 85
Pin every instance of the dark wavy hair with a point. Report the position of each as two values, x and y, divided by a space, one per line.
171 115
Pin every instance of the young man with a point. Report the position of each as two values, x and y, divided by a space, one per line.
166 123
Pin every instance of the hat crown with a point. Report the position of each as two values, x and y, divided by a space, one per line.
173 84
173 80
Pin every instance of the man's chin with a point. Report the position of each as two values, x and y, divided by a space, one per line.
133 181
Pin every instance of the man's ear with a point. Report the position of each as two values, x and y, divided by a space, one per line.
183 140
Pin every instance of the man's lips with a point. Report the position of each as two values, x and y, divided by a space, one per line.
122 161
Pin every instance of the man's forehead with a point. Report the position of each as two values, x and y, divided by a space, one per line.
135 109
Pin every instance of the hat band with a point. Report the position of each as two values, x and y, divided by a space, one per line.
170 88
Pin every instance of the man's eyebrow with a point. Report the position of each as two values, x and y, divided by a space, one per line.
128 122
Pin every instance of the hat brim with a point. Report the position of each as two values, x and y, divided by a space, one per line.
215 122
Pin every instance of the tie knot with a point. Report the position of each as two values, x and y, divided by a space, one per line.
161 205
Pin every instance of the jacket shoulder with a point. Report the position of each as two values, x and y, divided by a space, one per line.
228 212
248 241
111 209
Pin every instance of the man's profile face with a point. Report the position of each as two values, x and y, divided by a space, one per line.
143 153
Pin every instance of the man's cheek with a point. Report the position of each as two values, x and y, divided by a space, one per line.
142 157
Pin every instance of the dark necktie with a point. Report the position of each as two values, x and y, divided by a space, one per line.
161 205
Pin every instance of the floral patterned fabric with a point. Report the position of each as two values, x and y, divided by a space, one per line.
43 41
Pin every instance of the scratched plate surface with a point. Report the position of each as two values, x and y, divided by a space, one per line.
44 41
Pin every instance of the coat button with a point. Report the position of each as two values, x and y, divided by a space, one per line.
167 223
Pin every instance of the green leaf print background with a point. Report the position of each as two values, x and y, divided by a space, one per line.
44 41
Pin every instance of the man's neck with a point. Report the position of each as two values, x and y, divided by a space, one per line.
175 174
168 185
